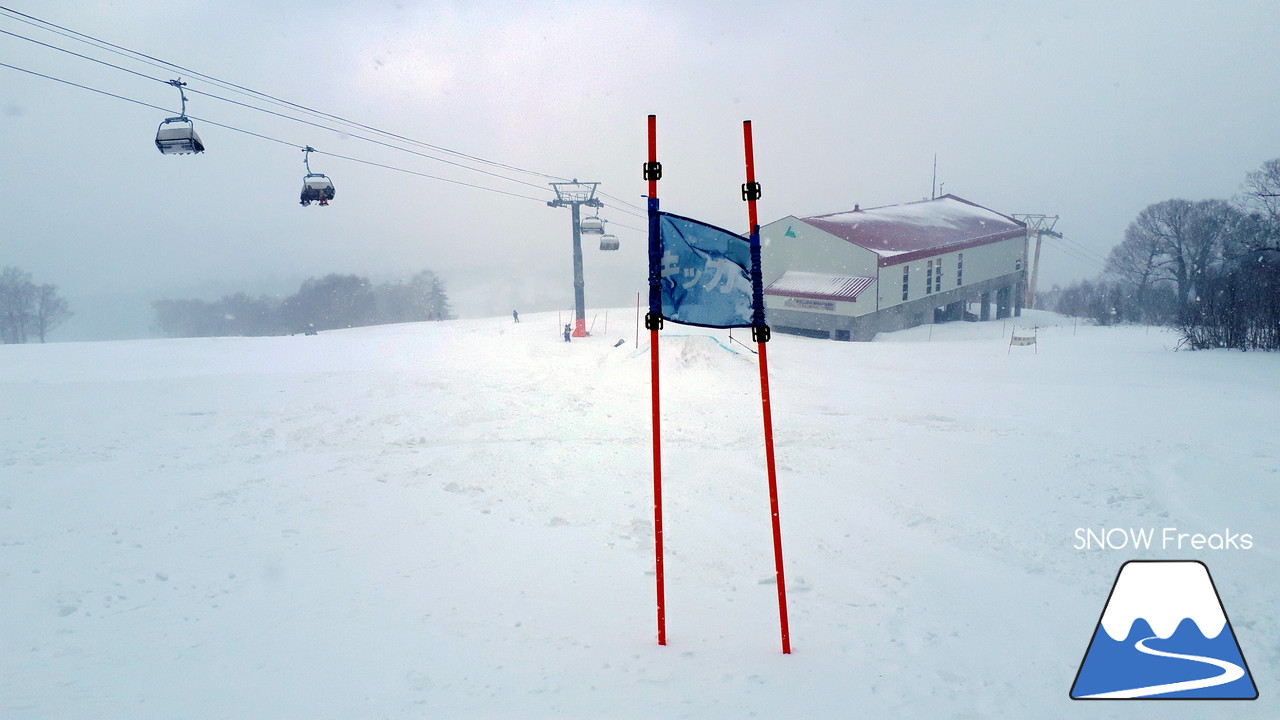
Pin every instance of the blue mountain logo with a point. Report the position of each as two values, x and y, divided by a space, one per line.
1164 635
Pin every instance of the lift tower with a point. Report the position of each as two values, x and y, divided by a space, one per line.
573 195
1037 226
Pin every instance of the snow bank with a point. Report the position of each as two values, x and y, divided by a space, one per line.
455 520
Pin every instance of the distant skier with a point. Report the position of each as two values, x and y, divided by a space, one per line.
515 316
567 331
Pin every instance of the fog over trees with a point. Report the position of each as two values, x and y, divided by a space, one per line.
333 301
1211 268
28 310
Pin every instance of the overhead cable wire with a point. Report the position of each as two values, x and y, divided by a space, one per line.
620 201
52 29
1084 250
623 206
1076 255
103 44
280 115
627 211
425 175
369 140
84 87
84 57
146 104
268 137
168 68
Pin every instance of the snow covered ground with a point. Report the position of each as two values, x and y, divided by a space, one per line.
454 520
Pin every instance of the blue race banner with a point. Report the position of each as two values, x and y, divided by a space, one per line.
705 274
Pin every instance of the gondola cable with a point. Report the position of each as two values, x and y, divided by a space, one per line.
102 44
276 114
268 137
621 205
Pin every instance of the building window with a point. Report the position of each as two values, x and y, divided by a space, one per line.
906 277
1017 264
928 278
937 276
960 270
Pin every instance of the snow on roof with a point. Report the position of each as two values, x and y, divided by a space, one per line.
819 286
928 225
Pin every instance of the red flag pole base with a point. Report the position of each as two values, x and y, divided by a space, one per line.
750 193
773 499
580 327
658 562
652 171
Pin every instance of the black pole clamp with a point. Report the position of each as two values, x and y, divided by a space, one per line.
652 321
760 333
751 191
653 170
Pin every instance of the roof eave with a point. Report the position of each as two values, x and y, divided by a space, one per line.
913 255
818 296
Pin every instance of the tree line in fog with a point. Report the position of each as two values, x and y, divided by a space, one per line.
333 301
28 311
1210 268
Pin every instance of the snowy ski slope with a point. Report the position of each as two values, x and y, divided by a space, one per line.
454 520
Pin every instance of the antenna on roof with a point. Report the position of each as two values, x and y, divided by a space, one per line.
933 191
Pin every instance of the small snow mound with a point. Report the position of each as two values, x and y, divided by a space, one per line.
703 351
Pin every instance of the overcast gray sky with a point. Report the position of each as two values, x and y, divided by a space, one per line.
1087 110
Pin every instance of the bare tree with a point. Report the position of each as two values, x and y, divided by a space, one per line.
1221 260
27 308
1237 299
1136 262
1261 198
1262 190
1180 241
17 297
49 311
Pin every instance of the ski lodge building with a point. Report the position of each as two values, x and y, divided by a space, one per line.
850 275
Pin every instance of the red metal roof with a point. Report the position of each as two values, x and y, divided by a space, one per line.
818 286
902 233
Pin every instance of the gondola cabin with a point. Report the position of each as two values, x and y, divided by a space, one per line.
177 136
592 225
608 242
316 188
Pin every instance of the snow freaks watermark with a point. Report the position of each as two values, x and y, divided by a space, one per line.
1164 635
1169 538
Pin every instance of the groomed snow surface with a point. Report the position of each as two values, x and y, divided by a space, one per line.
454 520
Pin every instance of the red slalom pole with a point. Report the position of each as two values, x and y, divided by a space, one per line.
653 321
773 500
653 155
750 192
